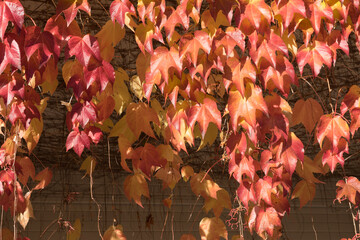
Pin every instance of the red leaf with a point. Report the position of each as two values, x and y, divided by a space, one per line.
83 113
264 220
10 10
161 62
320 10
9 53
245 107
333 127
257 11
77 140
263 189
191 45
147 158
316 55
94 134
246 193
27 169
348 189
287 9
178 16
70 8
119 9
11 89
86 49
240 165
204 114
102 75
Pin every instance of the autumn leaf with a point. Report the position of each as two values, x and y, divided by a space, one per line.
70 8
348 189
307 169
212 229
23 218
307 112
217 205
44 177
10 10
114 233
203 185
305 191
191 44
88 165
119 9
120 92
187 172
187 237
205 113
135 186
320 10
139 116
75 233
257 11
77 140
287 10
333 127
351 99
86 49
33 133
245 107
315 55
27 169
264 220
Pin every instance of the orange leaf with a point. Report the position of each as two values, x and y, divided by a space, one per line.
135 186
305 191
333 127
348 189
212 228
44 177
307 112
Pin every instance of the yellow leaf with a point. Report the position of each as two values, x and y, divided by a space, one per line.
217 205
187 172
121 128
50 77
76 233
305 191
114 233
135 186
70 69
136 87
120 91
110 34
86 165
210 135
212 229
32 134
23 218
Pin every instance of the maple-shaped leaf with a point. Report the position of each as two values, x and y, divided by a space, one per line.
263 188
305 191
320 10
351 99
109 36
315 55
27 169
121 94
348 189
333 127
212 228
44 177
240 72
119 9
258 13
71 7
217 205
307 112
204 113
105 108
10 88
23 218
58 27
334 155
240 165
264 220
288 8
86 50
77 140
245 107
103 75
291 152
10 10
139 116
83 114
178 16
147 158
135 186
191 44
162 60
229 39
307 169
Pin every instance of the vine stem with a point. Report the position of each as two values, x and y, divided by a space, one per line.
15 181
93 199
312 87
353 219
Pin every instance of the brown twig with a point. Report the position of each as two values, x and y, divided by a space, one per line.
93 199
